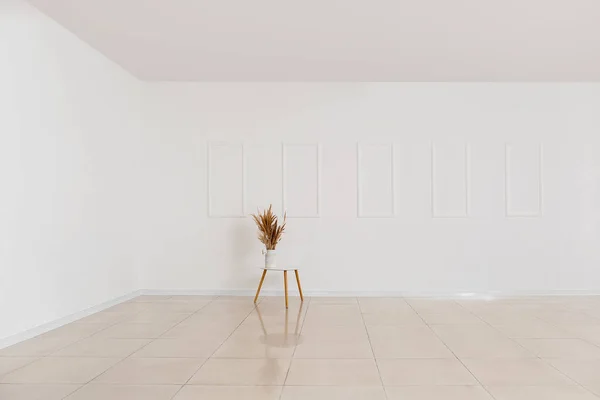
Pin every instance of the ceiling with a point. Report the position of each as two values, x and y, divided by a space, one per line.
341 40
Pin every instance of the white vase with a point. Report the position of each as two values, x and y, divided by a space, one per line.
270 259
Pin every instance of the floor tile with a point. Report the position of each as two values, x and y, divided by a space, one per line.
335 332
518 372
226 307
504 315
451 318
394 318
194 297
99 347
333 348
35 392
192 392
269 346
158 317
240 372
540 393
479 342
312 323
334 318
107 318
333 393
582 371
205 330
259 335
377 305
400 332
136 330
567 317
37 347
333 300
60 370
593 387
76 330
588 332
230 318
257 331
535 329
570 349
8 364
268 306
128 308
151 371
312 372
437 393
275 318
243 299
433 305
178 348
176 307
410 348
407 342
424 372
201 300
348 309
124 392
149 298
322 348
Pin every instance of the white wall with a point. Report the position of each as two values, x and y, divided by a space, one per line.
458 211
67 143
100 197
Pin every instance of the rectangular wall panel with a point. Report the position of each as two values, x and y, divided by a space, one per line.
375 180
450 180
301 180
524 183
226 180
263 177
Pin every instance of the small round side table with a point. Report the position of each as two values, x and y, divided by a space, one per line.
285 285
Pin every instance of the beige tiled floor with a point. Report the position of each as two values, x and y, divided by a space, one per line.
193 347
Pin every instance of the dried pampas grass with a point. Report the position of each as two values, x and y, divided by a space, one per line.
269 230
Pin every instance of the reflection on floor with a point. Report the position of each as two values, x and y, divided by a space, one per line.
194 347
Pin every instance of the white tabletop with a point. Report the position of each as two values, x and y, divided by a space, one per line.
280 269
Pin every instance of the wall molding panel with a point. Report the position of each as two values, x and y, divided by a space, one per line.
524 180
376 192
375 182
263 176
451 165
301 187
225 178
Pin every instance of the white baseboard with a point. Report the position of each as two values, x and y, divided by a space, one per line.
382 293
220 292
38 330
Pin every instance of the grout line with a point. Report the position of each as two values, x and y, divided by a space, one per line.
73 392
171 328
217 349
135 351
186 318
578 338
73 343
512 308
520 345
371 346
60 348
449 349
295 347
